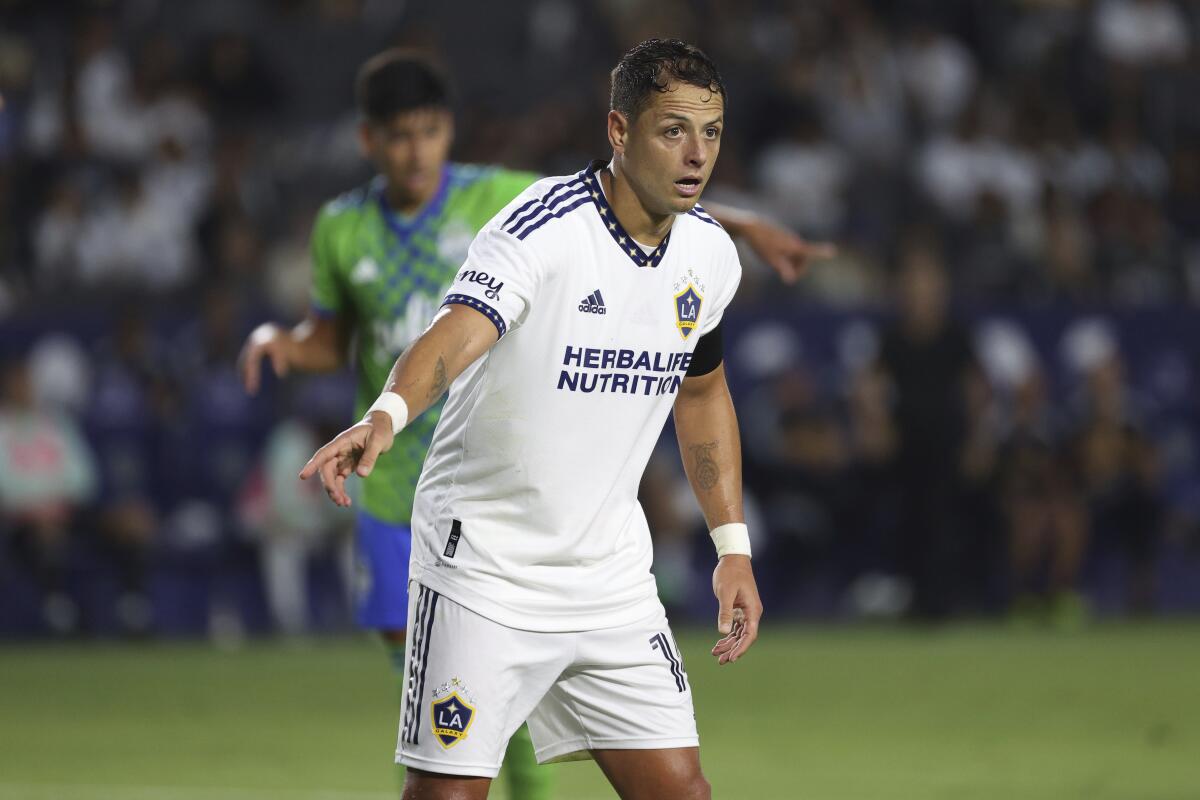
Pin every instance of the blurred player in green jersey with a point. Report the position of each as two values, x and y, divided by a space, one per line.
383 256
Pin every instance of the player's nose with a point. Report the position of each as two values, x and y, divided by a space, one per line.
694 154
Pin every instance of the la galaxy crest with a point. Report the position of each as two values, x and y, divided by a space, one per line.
451 714
687 309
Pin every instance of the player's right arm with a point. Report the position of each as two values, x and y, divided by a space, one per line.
456 338
318 344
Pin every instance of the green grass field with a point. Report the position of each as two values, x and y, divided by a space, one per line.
962 713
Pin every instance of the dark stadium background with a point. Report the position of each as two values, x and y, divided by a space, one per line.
1035 475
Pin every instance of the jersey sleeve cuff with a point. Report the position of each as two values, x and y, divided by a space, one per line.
480 306
322 311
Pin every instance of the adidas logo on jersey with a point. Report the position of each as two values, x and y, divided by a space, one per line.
593 304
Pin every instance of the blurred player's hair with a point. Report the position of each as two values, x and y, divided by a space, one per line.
656 64
396 81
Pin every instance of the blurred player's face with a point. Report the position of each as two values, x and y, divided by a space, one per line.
409 150
668 151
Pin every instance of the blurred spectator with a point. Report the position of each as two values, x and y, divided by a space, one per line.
105 103
804 176
928 359
132 241
1141 32
939 74
57 235
958 170
132 404
1118 464
1037 484
860 90
1067 253
806 497
47 476
234 76
1046 518
291 519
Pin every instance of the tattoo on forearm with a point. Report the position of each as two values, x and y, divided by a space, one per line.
439 379
704 466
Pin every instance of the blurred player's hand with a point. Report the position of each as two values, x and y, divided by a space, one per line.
270 341
354 450
785 252
740 608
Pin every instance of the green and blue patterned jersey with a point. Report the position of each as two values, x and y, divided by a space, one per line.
386 275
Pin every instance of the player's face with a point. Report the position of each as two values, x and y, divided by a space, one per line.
669 150
410 149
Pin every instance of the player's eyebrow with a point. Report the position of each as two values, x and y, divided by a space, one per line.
681 118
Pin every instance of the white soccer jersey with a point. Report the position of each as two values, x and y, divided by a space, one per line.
526 511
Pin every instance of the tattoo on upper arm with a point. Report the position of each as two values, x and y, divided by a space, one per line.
439 379
704 466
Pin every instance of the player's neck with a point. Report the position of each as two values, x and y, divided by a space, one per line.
408 203
644 227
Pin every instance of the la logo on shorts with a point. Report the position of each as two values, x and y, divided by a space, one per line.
451 717
687 310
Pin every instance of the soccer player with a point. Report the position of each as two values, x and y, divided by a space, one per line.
588 309
382 256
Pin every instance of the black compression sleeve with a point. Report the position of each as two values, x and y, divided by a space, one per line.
710 352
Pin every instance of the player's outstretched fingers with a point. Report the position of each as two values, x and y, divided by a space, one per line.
725 648
725 611
279 362
329 479
820 250
372 447
251 362
749 636
313 465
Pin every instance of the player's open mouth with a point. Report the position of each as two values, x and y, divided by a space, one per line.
688 187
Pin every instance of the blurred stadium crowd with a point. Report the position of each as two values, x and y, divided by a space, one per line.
985 404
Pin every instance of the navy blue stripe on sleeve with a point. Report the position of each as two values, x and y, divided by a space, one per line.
481 307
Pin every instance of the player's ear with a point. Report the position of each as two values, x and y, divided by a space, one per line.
618 130
364 139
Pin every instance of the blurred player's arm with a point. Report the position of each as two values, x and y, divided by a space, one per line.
784 251
706 426
421 375
321 343
318 344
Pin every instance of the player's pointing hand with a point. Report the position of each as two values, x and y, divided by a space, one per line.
784 251
267 341
740 608
353 450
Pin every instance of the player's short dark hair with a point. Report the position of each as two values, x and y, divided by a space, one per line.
396 81
653 66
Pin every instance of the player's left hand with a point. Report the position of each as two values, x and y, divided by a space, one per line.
785 252
740 608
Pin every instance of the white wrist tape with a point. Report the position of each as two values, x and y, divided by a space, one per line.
732 538
394 406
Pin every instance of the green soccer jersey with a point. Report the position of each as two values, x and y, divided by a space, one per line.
386 274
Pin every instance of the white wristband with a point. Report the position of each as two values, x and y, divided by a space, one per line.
394 406
732 538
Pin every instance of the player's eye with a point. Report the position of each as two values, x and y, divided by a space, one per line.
674 131
713 133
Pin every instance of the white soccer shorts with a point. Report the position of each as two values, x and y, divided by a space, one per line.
470 683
